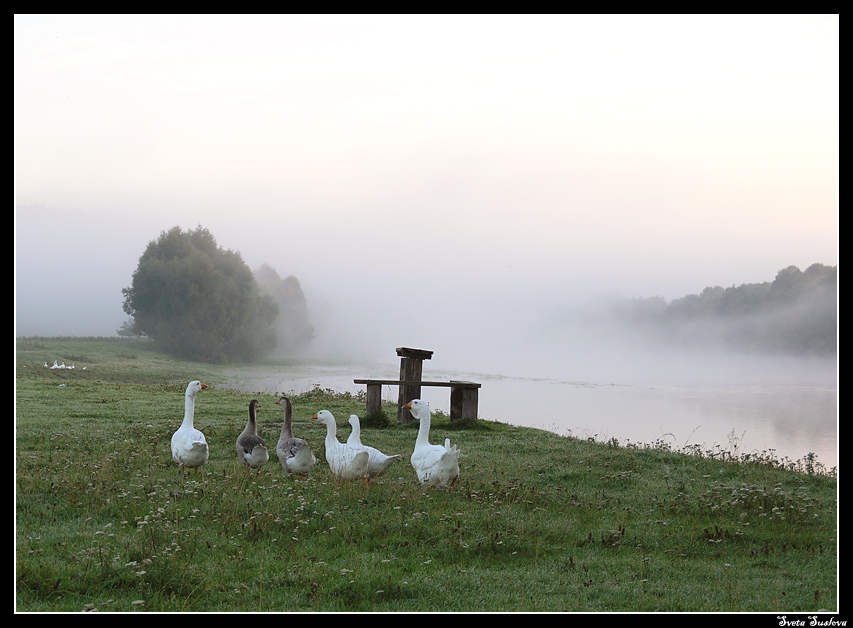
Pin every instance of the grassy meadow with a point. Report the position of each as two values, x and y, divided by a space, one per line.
106 521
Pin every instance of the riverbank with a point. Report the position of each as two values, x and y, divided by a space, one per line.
537 521
784 417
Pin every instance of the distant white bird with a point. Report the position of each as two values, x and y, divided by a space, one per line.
378 462
189 447
72 365
55 365
45 365
345 462
436 465
62 366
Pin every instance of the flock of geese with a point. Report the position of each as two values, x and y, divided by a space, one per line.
434 465
61 366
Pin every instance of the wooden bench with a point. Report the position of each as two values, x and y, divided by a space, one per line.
463 396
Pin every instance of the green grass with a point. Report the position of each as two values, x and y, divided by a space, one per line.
537 521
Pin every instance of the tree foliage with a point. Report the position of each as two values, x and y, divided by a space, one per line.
796 313
293 329
198 301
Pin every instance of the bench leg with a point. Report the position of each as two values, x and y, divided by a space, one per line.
463 402
404 396
411 370
374 399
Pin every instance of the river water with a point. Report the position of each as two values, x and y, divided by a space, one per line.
752 412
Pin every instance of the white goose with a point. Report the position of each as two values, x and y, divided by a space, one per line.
378 462
251 448
294 454
435 465
346 462
189 447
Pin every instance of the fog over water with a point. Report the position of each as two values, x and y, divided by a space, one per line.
458 184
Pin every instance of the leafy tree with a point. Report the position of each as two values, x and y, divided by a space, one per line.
293 329
198 301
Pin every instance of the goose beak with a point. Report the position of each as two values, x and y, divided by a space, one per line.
408 406
203 386
315 417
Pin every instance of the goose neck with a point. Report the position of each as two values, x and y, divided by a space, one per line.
252 425
423 430
331 431
286 427
189 410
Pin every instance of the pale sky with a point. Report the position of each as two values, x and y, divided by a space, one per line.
424 173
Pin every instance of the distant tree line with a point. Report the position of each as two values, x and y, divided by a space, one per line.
796 313
198 301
